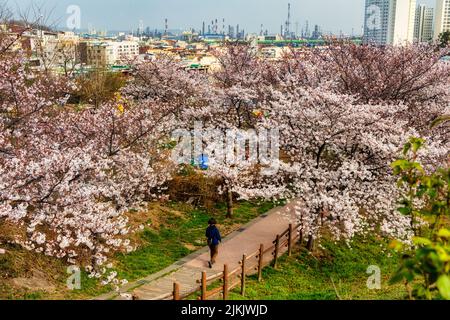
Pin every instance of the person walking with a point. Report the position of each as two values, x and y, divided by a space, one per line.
214 239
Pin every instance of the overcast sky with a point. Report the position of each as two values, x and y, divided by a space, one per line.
331 15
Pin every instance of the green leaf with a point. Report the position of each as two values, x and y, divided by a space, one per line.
404 211
444 233
406 148
410 276
399 165
443 285
422 241
439 121
397 278
442 253
418 167
416 143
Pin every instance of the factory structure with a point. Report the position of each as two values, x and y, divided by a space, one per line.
217 29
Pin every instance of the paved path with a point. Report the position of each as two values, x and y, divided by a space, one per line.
188 270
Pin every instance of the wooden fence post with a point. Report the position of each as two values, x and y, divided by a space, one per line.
225 282
260 262
277 248
176 291
244 259
204 286
290 240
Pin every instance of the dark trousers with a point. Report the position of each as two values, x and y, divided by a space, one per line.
214 250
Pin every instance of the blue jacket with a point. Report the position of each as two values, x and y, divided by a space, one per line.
213 235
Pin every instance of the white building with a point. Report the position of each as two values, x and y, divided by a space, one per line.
389 21
109 53
125 50
403 14
423 29
442 20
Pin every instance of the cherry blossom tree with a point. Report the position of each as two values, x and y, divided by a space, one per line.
344 115
343 119
414 75
241 86
224 101
340 153
70 175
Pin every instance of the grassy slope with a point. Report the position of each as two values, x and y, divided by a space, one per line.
172 231
304 277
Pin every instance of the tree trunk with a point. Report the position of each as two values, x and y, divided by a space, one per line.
229 204
300 238
310 244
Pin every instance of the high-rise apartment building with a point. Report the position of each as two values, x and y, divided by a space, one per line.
389 21
423 29
442 20
376 24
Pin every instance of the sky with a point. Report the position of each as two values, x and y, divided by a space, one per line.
332 15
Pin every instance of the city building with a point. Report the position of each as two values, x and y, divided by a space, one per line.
442 19
48 50
376 21
96 54
108 53
125 50
389 22
423 29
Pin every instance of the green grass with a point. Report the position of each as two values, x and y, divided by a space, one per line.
160 252
8 293
305 277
